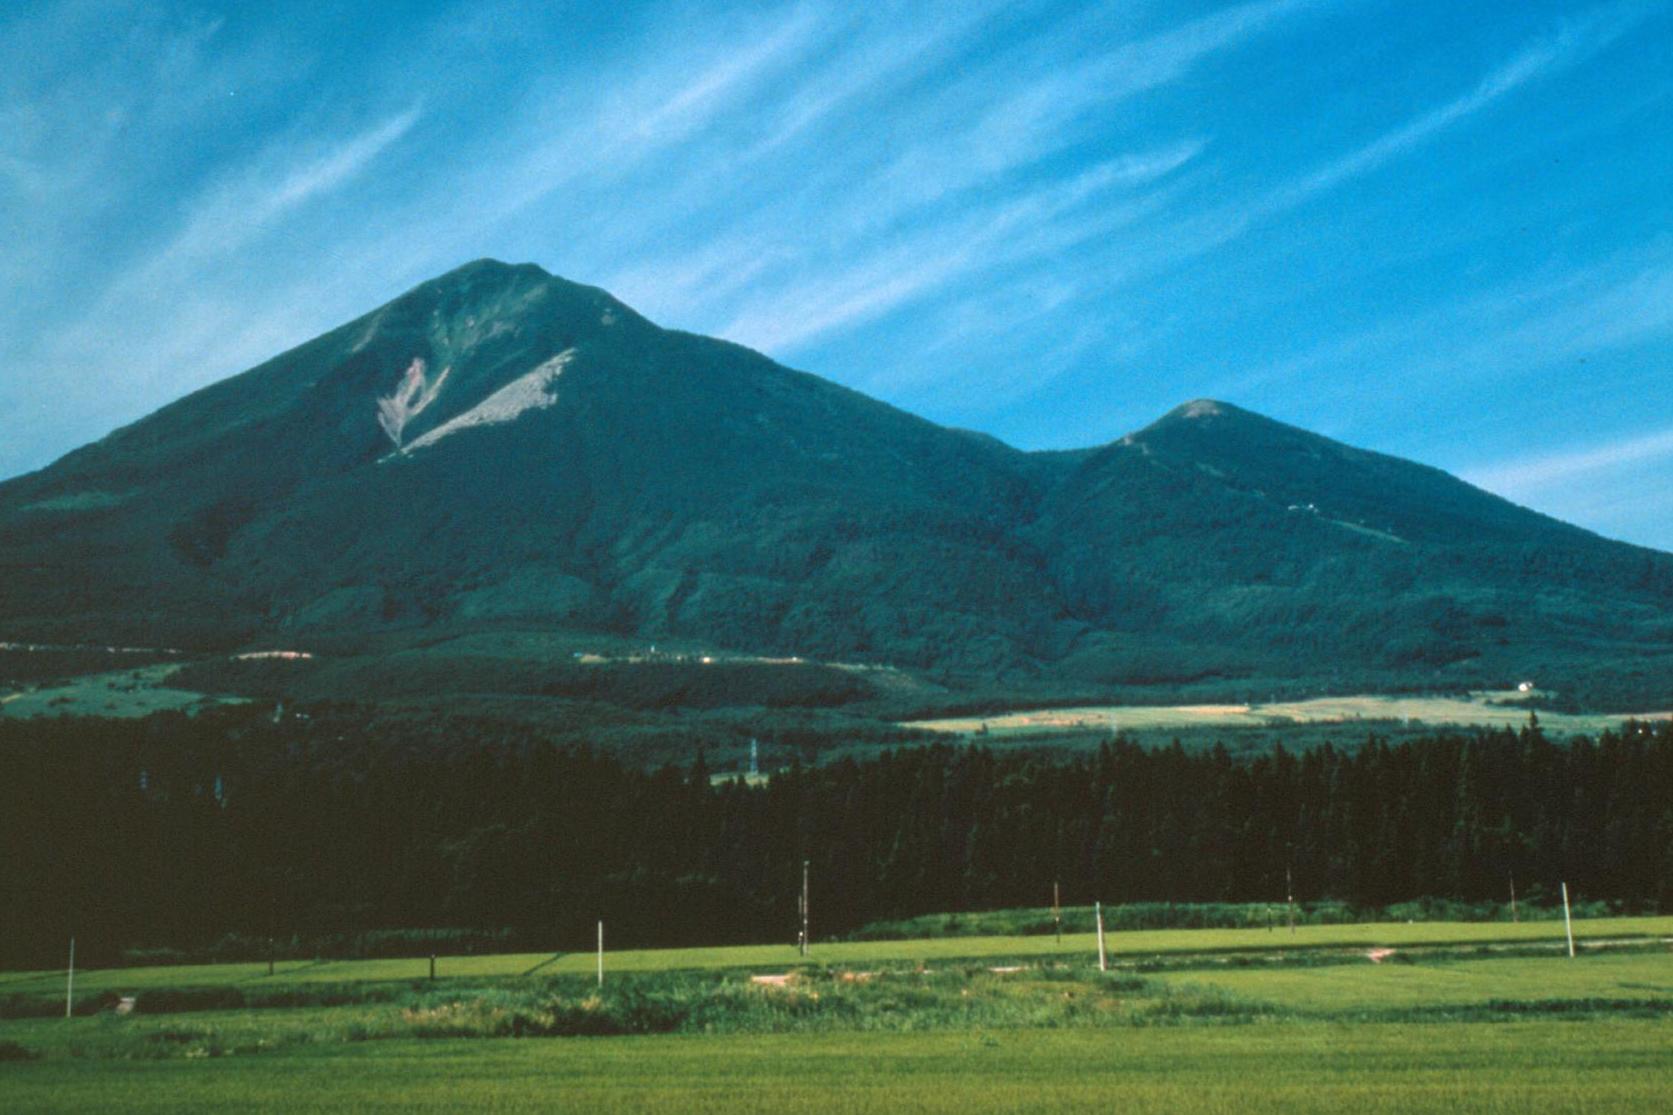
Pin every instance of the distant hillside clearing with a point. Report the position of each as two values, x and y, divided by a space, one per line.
1485 709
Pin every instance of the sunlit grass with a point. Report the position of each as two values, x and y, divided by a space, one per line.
1083 945
1368 1069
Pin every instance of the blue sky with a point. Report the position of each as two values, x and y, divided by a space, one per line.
1439 230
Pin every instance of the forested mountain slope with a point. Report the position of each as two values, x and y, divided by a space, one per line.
499 448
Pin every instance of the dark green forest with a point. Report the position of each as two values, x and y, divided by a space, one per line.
178 831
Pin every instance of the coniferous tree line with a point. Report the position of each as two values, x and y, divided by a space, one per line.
178 830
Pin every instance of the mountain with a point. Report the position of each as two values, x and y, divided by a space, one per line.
503 450
1312 557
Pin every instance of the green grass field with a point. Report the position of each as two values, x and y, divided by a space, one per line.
1392 986
1459 1017
1606 1065
780 957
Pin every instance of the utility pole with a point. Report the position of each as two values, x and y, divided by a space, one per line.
804 908
70 981
1103 957
1056 913
1568 923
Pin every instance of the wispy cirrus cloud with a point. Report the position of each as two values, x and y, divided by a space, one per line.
1053 220
188 282
1576 40
1052 94
1500 335
892 234
271 187
1621 485
1572 43
1133 250
1006 231
1527 476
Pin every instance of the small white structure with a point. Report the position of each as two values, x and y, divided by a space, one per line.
1525 687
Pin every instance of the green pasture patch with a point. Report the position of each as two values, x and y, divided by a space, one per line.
1391 985
1123 947
1537 1066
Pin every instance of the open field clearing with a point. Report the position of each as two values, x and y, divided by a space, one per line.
1479 710
927 950
1605 1065
121 693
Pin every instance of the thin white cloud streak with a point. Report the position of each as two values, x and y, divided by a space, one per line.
1042 104
231 215
1573 43
787 317
758 243
69 156
781 319
864 70
691 106
188 290
1514 331
1622 488
1033 107
858 72
1564 49
1013 230
578 139
1611 312
1526 476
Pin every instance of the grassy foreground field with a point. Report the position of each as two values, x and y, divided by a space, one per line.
1122 946
1512 1067
1436 1017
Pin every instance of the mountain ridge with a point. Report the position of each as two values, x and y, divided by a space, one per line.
501 446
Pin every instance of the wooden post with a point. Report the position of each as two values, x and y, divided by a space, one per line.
432 965
1513 916
1289 897
70 981
1568 923
1056 913
804 908
601 953
1103 957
